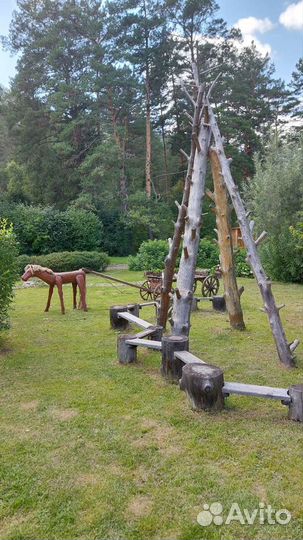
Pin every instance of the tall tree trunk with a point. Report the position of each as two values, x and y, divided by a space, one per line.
171 259
162 124
185 280
148 159
284 349
121 144
231 292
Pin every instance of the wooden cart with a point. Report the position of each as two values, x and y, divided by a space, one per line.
151 288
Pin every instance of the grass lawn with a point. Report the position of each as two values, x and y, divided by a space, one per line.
92 450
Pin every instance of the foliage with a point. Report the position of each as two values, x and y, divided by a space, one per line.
275 196
151 256
242 267
208 255
8 269
66 261
45 230
152 253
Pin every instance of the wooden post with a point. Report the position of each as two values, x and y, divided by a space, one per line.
219 303
115 321
203 385
170 261
134 309
126 353
172 367
186 274
231 292
194 304
296 404
283 348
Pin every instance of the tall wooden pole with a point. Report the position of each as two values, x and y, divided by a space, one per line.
184 291
171 259
231 291
284 349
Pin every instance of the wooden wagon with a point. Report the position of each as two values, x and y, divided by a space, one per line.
151 288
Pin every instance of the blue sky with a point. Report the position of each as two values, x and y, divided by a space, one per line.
275 25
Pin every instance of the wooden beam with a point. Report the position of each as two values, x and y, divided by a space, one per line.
148 343
133 319
256 391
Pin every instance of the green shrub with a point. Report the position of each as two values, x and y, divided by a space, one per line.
8 269
42 230
242 267
151 256
208 255
152 253
66 261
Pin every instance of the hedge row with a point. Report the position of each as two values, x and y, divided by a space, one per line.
65 261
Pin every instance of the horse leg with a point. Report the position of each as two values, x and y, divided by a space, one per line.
81 283
50 294
60 292
74 295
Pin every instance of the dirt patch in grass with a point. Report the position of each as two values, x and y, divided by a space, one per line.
5 350
160 435
63 414
140 506
29 405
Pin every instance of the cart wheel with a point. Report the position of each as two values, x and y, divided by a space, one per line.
210 286
195 286
146 295
157 291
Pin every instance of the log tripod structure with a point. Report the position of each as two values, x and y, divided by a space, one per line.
189 221
203 383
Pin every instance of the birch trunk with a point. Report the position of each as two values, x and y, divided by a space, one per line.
185 280
170 261
231 292
283 348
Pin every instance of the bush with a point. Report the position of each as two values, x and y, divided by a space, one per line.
42 230
208 255
66 261
242 267
152 253
8 270
151 256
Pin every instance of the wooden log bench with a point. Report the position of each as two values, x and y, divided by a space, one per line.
204 391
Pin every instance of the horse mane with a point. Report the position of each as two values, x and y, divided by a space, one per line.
38 268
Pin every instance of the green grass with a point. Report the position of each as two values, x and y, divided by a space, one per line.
91 449
118 260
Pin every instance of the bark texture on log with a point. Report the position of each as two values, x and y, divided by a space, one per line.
172 367
283 348
126 353
296 404
185 279
231 292
203 385
116 322
170 261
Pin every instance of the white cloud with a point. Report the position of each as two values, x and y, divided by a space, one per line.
292 17
250 26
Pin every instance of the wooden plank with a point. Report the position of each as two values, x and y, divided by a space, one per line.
187 357
148 343
132 318
256 391
145 333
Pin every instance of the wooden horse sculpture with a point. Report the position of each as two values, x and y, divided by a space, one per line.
76 278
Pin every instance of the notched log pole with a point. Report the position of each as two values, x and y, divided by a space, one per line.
222 209
185 278
171 259
283 348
